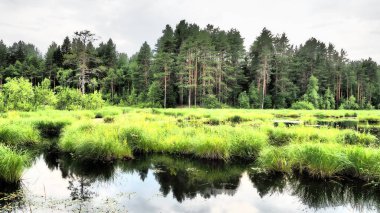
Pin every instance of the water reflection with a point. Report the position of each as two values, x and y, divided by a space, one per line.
187 178
166 183
320 194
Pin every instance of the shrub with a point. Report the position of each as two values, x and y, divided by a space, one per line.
43 95
302 105
212 121
69 99
93 101
18 94
236 119
243 100
211 102
350 104
109 119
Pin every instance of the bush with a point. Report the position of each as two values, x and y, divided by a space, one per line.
350 104
303 105
69 99
211 102
236 119
93 101
18 94
109 119
243 100
43 95
73 99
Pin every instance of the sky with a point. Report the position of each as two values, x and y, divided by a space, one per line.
353 25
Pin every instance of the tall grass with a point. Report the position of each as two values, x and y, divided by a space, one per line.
323 160
11 165
90 141
18 134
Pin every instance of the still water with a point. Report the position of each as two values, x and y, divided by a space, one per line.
162 183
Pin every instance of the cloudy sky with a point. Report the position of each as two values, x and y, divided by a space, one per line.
350 24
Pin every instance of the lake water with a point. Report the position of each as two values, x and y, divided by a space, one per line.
162 183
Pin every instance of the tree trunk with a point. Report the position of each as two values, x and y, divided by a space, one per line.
165 86
195 81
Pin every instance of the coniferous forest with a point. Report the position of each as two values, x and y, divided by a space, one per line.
194 66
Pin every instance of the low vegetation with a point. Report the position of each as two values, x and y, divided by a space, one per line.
116 133
11 165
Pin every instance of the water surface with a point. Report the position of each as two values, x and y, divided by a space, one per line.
161 183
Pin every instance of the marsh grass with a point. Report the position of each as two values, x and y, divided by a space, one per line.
11 165
50 128
219 134
323 160
19 134
91 141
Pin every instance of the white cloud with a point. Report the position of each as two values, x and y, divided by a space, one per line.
349 24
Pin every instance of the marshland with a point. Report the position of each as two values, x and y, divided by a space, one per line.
140 110
115 157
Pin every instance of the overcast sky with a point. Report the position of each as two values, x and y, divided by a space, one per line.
353 25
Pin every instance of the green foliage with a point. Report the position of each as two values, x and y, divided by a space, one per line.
43 95
18 94
92 101
328 100
155 94
350 104
243 100
311 94
302 105
190 65
72 99
254 96
69 99
211 102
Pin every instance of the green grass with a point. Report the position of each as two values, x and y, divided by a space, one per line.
51 127
323 160
91 141
11 165
219 134
19 134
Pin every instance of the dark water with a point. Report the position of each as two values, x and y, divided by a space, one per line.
160 183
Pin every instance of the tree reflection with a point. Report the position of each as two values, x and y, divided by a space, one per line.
186 178
82 174
319 194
